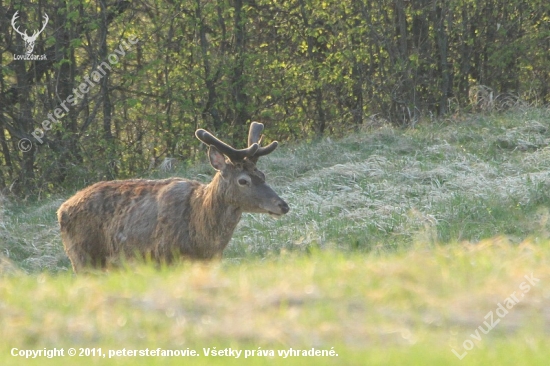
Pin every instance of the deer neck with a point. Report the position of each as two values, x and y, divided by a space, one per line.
218 218
218 204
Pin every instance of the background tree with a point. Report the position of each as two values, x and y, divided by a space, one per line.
303 67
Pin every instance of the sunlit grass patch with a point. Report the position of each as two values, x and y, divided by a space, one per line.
417 303
381 188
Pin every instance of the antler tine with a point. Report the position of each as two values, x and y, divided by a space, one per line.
254 136
13 19
46 19
232 153
255 133
265 150
37 32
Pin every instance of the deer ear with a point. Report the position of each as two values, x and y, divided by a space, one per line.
217 159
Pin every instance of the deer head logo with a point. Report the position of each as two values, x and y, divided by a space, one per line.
29 40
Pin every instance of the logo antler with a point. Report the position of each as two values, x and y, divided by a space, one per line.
29 40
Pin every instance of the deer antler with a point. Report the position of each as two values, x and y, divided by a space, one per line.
232 153
255 137
24 34
15 16
46 18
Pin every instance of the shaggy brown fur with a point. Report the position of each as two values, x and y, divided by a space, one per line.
160 219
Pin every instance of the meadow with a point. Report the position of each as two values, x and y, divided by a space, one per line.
427 245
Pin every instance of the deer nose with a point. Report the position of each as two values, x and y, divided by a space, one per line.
284 207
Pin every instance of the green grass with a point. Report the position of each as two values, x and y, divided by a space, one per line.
467 178
405 307
397 245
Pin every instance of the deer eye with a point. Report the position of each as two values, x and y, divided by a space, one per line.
243 182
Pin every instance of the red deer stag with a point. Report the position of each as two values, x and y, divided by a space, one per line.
161 219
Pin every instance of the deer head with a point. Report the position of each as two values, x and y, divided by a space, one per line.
29 40
240 183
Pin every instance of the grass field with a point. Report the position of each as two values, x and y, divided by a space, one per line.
404 247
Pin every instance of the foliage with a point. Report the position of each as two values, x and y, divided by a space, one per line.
302 67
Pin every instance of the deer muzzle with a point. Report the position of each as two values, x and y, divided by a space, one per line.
276 206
